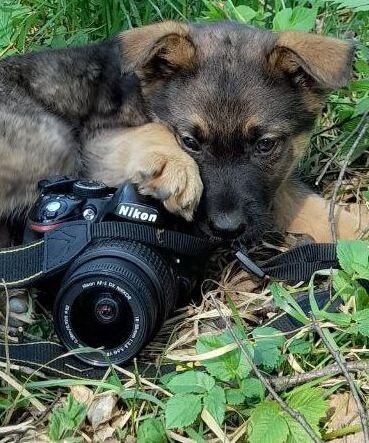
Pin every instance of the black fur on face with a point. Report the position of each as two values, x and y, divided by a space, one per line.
241 122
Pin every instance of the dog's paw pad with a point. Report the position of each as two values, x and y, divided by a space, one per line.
173 180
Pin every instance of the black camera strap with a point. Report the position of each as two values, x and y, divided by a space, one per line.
296 265
23 265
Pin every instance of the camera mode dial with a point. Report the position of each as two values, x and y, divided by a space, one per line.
90 189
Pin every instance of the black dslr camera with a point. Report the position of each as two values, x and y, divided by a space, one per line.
117 292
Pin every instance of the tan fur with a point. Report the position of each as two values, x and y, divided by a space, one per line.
301 212
251 123
151 157
166 43
200 123
324 58
299 144
138 43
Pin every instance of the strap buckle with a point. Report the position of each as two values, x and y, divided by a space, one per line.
248 265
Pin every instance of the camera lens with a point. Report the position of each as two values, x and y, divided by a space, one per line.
106 309
115 297
106 321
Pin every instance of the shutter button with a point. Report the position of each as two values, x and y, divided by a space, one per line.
53 206
51 209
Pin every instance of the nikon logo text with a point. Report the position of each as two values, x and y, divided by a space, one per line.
137 212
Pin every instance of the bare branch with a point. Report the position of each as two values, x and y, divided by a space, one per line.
286 382
342 365
364 127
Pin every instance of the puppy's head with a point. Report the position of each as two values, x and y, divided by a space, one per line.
243 102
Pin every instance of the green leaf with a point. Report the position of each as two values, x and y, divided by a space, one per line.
362 320
346 288
286 302
361 298
310 403
353 256
303 19
338 318
191 382
267 424
298 18
361 107
356 5
66 419
300 347
252 387
361 316
363 328
228 366
151 430
166 378
366 195
353 329
268 342
195 436
56 429
282 19
182 410
343 285
234 396
360 85
362 67
245 13
215 403
80 38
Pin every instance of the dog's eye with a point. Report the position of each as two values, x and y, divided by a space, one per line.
266 145
191 143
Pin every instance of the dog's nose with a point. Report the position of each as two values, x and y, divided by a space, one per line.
227 225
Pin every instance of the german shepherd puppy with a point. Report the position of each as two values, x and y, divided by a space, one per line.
177 107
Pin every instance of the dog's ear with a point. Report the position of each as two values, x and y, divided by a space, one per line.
157 50
325 60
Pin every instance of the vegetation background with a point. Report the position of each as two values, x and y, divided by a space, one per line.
222 401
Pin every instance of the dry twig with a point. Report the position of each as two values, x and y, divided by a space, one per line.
337 152
342 365
284 406
364 127
290 381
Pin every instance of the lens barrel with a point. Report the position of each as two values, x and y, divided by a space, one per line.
115 297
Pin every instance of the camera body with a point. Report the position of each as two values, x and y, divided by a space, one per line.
63 199
117 293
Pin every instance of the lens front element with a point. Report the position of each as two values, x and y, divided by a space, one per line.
106 309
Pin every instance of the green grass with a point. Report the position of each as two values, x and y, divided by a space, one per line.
227 387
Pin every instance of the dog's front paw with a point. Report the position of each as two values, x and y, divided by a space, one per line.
171 176
150 156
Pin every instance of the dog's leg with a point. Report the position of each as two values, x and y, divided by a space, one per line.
300 211
32 147
150 156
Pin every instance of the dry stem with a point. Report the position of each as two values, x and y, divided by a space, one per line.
290 381
342 173
342 365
